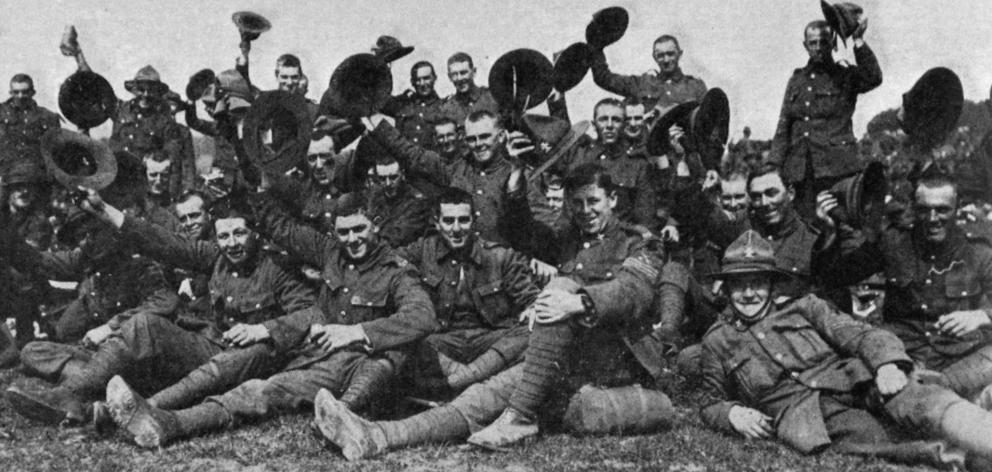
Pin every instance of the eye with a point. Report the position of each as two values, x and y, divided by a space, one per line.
448 220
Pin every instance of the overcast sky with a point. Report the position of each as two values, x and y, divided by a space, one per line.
748 48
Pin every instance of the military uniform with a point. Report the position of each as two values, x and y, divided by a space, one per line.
811 368
144 131
404 217
485 181
415 115
654 89
459 106
318 202
227 145
814 142
20 293
923 284
636 200
21 129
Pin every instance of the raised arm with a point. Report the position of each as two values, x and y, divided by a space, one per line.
169 248
411 156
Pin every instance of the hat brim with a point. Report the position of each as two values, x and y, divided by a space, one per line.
360 86
571 67
53 144
739 270
198 84
932 107
658 141
160 88
395 54
607 27
521 79
86 99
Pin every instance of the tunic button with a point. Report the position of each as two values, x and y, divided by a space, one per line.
235 274
809 89
343 313
778 356
351 266
327 214
812 76
760 335
795 269
929 281
453 262
923 306
482 173
585 245
964 292
118 303
794 375
668 92
370 303
230 299
807 103
812 384
806 118
806 133
345 290
578 266
479 191
927 334
602 156
609 275
258 305
453 283
478 213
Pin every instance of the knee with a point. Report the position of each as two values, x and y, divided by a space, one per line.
631 409
921 406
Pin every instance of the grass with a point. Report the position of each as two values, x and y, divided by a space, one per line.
287 444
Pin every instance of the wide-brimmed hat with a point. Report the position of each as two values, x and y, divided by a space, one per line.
521 79
749 254
76 160
555 132
390 49
360 86
149 76
842 17
250 24
707 119
861 196
86 99
198 84
286 114
930 110
571 66
607 27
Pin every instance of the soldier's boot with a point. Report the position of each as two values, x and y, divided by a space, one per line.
969 426
460 375
512 427
359 438
369 380
546 353
195 386
51 405
151 427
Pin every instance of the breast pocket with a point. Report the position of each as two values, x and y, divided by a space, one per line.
962 288
750 378
368 307
494 303
803 341
253 309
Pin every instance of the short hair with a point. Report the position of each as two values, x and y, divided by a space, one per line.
358 202
231 207
607 101
418 65
937 180
454 196
816 25
736 173
190 194
767 169
460 57
589 174
632 101
444 120
289 60
666 38
385 159
479 115
22 79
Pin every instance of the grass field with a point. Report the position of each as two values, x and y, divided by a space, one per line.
287 444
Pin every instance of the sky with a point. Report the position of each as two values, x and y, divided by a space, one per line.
747 48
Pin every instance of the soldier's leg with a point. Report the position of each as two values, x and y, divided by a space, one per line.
968 376
543 362
74 322
619 410
493 352
48 360
936 411
370 379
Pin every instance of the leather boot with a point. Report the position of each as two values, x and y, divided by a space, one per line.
357 437
51 405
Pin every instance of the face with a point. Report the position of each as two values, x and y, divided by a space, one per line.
634 121
454 222
320 160
591 208
750 294
556 197
289 78
390 177
21 92
483 137
158 176
934 211
609 123
819 44
667 54
146 94
192 217
462 76
446 138
733 194
357 235
423 80
236 241
21 196
769 199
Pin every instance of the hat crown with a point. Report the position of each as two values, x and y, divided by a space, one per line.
386 43
749 249
148 74
547 128
232 81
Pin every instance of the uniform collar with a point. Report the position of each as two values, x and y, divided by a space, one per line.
496 162
941 253
675 76
29 104
790 222
370 261
812 66
472 252
246 267
429 98
473 94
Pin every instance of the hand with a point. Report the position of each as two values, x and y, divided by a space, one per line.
334 337
960 323
556 96
662 162
245 334
751 423
826 201
711 180
890 379
859 33
553 306
94 205
518 144
682 169
670 233
675 135
543 271
98 335
515 181
372 122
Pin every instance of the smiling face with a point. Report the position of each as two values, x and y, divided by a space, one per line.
237 242
483 137
462 76
147 94
289 78
769 198
454 223
667 54
320 160
634 121
591 208
733 194
609 121
357 235
446 138
423 80
750 295
192 217
934 211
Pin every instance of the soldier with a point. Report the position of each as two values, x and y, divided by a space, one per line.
227 102
660 90
158 172
607 300
468 97
814 143
371 306
244 336
183 174
22 122
479 288
405 212
813 377
937 281
417 108
635 126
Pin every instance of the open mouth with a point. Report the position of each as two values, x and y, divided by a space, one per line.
236 253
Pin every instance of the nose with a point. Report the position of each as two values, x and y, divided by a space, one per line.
352 237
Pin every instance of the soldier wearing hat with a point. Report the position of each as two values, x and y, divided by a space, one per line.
23 122
937 278
419 107
227 100
801 371
468 97
814 142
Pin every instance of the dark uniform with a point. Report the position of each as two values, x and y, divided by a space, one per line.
315 203
459 106
814 142
921 285
486 182
20 293
653 89
227 145
636 197
415 115
145 131
404 217
812 368
21 129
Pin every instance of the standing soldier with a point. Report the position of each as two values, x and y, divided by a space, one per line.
418 108
22 122
468 97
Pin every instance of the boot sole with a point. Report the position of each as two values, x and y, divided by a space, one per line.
337 425
30 407
126 408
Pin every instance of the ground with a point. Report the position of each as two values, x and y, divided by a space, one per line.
288 444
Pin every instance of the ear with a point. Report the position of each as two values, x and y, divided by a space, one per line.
613 198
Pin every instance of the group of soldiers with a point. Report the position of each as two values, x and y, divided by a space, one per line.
502 269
